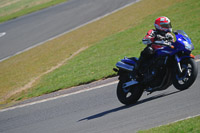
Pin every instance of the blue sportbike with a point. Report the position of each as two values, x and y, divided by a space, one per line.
171 64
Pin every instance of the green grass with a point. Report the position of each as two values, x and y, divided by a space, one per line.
93 64
97 61
191 125
11 9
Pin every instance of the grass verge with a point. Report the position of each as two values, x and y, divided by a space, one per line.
11 9
109 39
191 125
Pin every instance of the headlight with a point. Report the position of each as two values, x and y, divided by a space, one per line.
188 46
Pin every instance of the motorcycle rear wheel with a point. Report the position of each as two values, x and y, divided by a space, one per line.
184 80
129 95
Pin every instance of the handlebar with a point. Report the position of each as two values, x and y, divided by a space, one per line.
165 43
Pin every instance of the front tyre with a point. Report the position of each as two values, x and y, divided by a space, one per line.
184 80
129 95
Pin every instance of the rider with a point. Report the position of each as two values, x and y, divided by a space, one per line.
162 31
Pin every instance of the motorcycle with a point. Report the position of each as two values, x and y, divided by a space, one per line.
171 64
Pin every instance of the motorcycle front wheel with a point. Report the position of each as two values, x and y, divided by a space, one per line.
184 80
129 95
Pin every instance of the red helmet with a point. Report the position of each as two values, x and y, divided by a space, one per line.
163 24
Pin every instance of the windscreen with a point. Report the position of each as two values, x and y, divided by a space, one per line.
182 33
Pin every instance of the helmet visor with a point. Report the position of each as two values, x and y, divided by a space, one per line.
166 25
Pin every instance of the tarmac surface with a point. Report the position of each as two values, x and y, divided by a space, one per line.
95 108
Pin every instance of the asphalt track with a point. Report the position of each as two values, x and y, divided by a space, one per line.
97 110
28 31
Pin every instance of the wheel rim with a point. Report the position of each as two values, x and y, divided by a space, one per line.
129 92
186 74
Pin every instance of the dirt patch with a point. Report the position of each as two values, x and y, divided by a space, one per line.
9 3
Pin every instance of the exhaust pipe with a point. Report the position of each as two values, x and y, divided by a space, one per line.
124 66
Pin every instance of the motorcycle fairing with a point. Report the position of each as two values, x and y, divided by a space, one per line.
182 38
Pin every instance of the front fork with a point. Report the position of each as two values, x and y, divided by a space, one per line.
178 60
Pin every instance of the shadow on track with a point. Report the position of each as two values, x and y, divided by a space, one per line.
126 107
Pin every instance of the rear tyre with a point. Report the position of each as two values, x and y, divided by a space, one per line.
129 95
184 80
